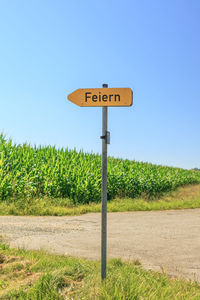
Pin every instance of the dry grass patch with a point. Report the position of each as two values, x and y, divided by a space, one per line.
15 272
189 192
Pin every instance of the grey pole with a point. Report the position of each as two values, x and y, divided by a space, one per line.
104 191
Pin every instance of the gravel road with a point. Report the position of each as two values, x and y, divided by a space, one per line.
161 240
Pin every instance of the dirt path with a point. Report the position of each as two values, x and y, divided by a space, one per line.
168 240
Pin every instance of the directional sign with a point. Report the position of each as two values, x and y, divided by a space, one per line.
102 97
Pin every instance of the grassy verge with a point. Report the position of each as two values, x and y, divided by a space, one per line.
184 197
39 275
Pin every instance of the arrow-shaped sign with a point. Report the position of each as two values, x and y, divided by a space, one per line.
102 97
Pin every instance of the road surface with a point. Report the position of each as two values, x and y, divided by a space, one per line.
161 240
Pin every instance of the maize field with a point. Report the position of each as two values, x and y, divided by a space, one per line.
27 171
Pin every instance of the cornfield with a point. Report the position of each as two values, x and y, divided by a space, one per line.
27 171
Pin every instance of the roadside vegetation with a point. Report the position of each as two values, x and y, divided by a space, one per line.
182 198
39 275
45 173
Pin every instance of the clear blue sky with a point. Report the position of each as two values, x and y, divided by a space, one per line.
50 48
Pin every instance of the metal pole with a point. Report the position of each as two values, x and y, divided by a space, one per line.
104 191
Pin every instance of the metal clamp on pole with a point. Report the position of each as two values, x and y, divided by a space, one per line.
106 137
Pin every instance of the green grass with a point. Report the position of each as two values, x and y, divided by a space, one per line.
182 198
39 275
46 172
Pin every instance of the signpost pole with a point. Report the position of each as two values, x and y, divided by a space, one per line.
104 191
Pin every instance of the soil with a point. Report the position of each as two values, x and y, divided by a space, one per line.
166 241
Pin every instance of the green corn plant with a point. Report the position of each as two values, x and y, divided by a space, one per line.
27 171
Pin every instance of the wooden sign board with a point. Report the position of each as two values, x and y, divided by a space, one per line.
102 97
